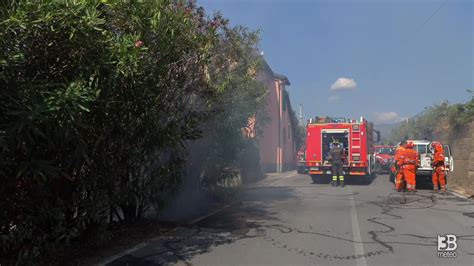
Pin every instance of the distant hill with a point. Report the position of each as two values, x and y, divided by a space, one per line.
386 129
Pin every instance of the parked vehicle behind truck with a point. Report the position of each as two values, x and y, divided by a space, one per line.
383 158
356 137
424 173
301 161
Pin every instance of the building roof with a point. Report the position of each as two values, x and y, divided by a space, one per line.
282 78
268 69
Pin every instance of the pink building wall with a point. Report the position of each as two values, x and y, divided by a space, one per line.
277 148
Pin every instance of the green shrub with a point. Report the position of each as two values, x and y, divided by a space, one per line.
437 120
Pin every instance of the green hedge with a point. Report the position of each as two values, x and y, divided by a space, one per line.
97 102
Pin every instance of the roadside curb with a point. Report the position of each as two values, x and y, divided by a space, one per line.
460 192
460 195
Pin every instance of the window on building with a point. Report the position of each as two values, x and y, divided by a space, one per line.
289 132
284 134
283 100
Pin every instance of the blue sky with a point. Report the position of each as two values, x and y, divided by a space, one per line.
400 59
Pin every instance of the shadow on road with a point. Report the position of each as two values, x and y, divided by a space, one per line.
177 248
268 194
241 220
362 180
349 180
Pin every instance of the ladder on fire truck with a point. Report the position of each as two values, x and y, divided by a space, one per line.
355 142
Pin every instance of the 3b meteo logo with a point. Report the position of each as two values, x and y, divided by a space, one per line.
447 246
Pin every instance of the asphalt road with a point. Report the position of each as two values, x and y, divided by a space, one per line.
287 220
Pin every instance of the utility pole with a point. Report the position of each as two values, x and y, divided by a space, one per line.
301 114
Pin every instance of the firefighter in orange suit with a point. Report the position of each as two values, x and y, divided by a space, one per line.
410 161
438 167
397 164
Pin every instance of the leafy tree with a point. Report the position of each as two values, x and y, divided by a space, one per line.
240 96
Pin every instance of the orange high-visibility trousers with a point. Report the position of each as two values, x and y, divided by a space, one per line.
409 172
439 175
393 171
399 180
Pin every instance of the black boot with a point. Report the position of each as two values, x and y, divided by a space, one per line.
342 183
334 183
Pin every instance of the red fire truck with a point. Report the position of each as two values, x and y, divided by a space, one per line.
357 141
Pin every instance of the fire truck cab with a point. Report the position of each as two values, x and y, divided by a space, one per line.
356 137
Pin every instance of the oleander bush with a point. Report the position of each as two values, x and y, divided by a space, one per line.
97 102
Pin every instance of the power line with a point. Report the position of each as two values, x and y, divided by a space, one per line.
432 15
414 34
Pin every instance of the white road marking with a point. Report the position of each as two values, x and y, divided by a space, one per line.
123 253
270 180
274 183
283 178
358 246
200 218
291 174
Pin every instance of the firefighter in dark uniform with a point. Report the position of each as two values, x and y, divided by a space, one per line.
336 159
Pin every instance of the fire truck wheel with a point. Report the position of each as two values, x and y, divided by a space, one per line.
321 179
300 170
378 168
368 178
